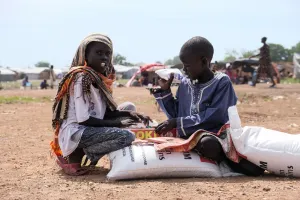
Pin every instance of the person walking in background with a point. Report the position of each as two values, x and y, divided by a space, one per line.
52 77
265 65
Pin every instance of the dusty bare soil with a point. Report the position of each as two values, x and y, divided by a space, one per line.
28 172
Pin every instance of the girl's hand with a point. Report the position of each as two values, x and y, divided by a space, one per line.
127 122
140 117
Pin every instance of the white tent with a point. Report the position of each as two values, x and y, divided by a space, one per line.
296 61
7 75
34 73
126 71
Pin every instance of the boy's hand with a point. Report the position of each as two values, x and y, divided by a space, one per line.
165 85
166 126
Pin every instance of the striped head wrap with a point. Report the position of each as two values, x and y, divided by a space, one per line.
79 58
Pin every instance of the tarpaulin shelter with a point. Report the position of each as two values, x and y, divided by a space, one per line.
150 70
296 61
247 65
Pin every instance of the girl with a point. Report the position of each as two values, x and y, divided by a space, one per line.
85 116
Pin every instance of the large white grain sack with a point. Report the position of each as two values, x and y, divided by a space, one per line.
142 161
274 151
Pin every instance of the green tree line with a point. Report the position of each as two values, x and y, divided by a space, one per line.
278 53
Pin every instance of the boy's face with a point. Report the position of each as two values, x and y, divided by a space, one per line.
98 53
193 66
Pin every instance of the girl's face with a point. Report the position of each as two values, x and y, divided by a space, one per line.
98 56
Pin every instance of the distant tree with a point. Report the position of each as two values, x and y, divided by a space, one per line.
42 64
118 59
140 64
231 55
279 53
247 54
229 58
158 62
296 48
128 64
176 60
169 62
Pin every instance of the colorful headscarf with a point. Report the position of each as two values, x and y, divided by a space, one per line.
79 58
89 77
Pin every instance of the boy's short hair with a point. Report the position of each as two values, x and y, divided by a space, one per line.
264 38
198 46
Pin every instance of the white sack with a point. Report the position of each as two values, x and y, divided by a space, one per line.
165 73
143 161
274 151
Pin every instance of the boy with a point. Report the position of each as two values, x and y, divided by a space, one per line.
202 99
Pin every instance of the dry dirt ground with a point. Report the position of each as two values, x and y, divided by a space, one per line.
28 172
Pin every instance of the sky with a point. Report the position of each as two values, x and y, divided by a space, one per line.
142 31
